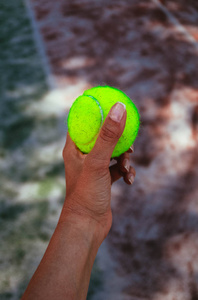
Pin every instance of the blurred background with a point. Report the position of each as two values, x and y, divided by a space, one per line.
50 52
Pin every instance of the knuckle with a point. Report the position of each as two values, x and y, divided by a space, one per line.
133 171
64 152
108 133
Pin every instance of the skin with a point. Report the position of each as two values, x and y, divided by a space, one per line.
86 217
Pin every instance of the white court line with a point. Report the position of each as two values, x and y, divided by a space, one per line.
178 25
51 80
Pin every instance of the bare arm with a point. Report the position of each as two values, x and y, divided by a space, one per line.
65 270
86 217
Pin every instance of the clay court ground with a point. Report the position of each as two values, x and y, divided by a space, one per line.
50 52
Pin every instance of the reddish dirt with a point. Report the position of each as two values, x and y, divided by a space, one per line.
186 12
136 48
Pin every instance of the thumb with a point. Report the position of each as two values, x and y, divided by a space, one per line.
109 135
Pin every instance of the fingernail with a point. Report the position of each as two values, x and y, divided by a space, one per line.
126 164
117 112
131 178
132 148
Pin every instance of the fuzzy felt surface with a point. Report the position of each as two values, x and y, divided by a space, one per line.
89 112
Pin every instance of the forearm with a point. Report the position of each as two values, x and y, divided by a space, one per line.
65 270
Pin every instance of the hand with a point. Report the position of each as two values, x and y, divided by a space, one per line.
89 177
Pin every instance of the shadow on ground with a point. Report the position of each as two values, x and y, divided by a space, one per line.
133 47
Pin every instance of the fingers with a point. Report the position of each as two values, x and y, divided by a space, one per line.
69 145
71 151
123 168
116 174
131 149
130 176
124 160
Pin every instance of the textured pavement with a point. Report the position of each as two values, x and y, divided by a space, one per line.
150 52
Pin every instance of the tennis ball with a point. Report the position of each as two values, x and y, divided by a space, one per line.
88 113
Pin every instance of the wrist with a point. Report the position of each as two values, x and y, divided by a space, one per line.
82 214
83 224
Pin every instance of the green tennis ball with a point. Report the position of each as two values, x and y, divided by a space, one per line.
88 113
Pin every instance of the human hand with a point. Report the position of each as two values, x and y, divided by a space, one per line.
89 176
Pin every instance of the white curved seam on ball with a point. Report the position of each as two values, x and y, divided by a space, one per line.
101 111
